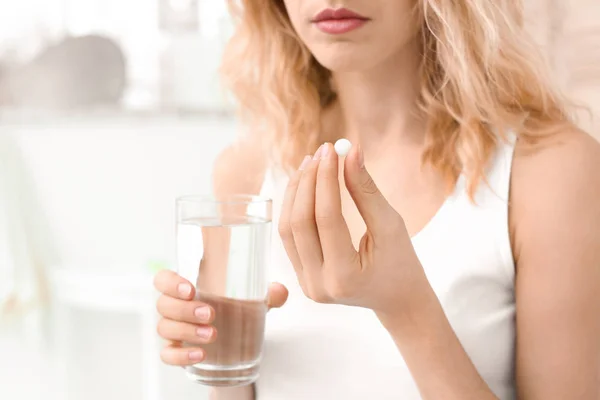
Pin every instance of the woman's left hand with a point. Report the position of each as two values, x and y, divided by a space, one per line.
384 274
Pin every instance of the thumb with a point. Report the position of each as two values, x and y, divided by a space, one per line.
277 296
375 210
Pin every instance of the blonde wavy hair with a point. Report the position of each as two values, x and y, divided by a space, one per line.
481 78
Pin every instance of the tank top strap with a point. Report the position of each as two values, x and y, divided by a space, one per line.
493 199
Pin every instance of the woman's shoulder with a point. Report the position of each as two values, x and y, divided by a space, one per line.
240 168
555 185
556 163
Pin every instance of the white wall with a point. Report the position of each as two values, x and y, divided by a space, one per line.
109 186
569 32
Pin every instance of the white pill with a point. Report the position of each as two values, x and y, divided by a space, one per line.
342 147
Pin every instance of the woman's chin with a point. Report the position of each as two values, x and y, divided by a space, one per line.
344 59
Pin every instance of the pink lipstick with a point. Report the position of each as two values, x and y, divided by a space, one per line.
340 21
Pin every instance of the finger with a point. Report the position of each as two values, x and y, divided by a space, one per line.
182 356
285 227
306 234
169 283
193 312
379 216
334 234
278 295
185 332
304 226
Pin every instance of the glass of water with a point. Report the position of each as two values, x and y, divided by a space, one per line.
223 247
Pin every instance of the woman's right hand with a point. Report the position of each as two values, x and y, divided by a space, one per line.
187 320
183 320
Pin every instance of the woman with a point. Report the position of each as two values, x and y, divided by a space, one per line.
478 276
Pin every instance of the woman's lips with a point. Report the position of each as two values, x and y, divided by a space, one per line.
339 26
336 22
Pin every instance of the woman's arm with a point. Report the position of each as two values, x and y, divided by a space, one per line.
557 248
555 224
239 169
436 359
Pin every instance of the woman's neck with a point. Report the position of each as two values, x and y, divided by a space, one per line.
378 107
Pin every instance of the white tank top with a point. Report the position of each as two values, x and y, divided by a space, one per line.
329 352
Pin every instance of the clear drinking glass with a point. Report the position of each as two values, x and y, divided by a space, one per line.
223 248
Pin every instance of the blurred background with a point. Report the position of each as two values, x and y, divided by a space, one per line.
109 109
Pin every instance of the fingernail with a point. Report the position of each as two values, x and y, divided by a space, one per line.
202 313
196 356
204 332
318 153
304 163
184 289
361 157
325 151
